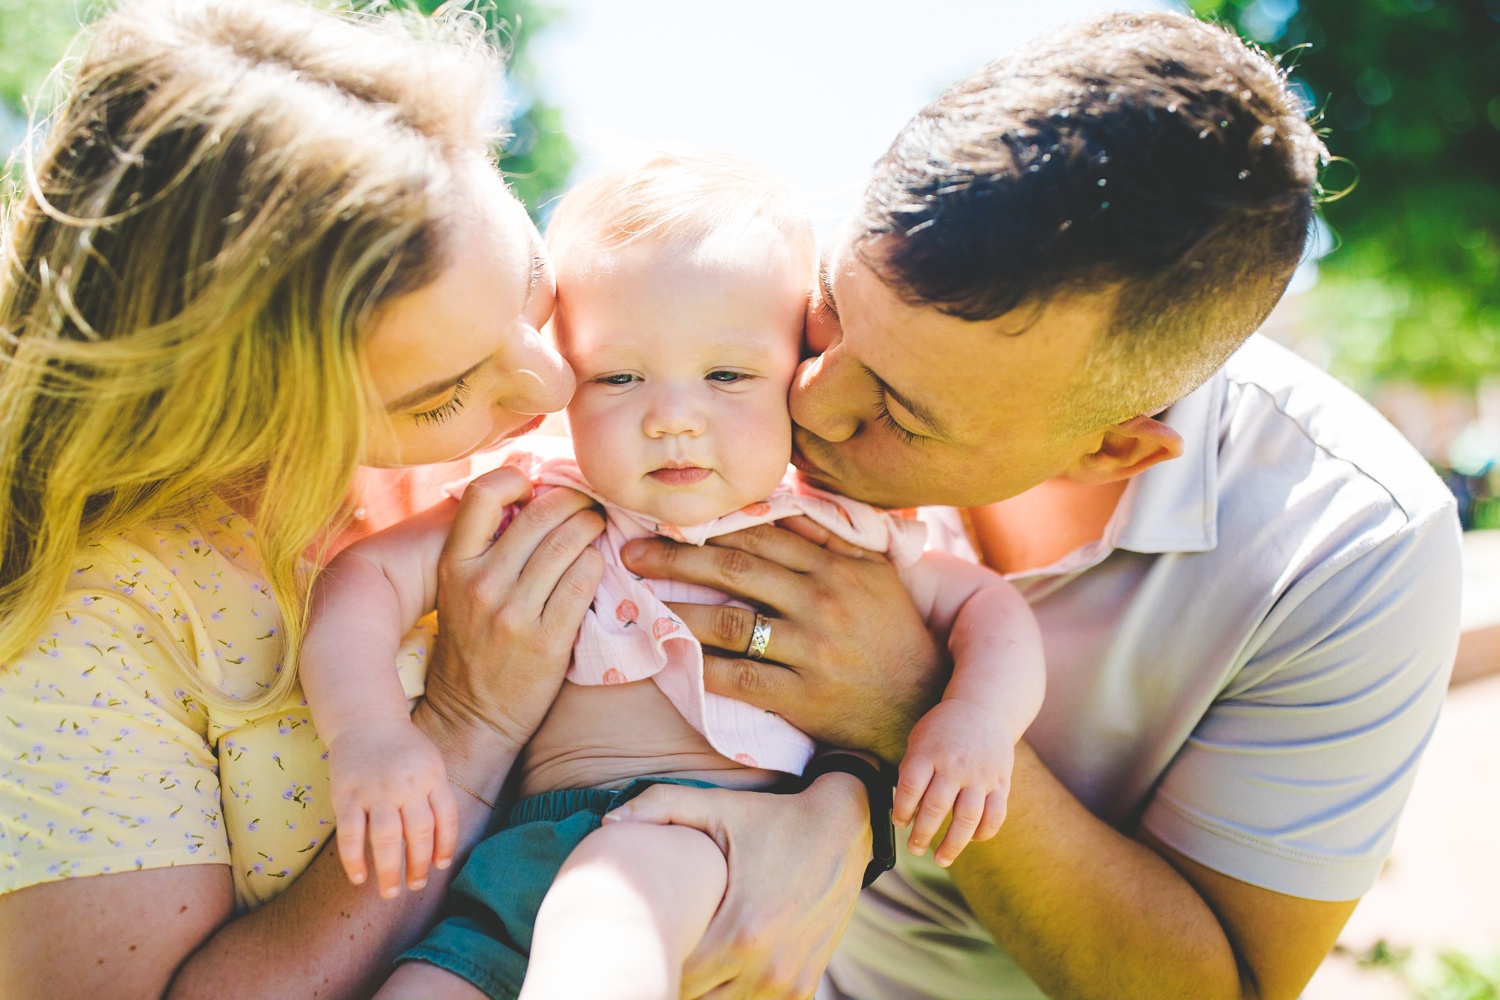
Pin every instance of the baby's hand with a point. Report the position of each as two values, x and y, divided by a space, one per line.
390 781
958 758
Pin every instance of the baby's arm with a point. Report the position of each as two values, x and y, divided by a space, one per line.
386 778
960 754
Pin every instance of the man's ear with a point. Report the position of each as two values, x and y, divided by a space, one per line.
1127 449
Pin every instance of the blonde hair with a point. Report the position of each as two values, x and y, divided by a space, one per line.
682 196
226 196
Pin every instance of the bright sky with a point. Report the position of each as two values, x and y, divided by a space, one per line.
813 89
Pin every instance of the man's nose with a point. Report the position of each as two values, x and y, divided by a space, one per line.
671 411
539 380
825 397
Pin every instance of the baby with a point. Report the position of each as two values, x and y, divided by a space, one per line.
681 292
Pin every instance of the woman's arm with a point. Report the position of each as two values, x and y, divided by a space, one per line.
511 611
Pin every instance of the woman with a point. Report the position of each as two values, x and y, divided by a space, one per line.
260 245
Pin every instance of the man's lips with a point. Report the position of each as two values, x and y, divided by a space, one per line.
685 476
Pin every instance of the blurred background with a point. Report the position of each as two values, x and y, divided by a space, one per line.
1400 295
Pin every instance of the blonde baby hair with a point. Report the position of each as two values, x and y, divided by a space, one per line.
225 197
691 198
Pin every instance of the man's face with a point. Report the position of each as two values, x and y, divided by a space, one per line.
909 406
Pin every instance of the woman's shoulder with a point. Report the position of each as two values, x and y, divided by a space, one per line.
186 594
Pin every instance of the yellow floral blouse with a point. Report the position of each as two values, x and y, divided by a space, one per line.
111 758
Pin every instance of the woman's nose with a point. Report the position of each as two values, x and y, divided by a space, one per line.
673 411
825 397
540 381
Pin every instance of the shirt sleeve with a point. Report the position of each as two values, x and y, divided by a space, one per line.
104 761
1295 779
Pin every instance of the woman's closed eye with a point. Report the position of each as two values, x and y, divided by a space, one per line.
443 413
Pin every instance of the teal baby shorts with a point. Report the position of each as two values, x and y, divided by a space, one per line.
492 905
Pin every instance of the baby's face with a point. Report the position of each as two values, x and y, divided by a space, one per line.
683 366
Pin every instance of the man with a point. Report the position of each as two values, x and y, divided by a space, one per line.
1247 582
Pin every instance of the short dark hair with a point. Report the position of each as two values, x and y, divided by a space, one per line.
1153 151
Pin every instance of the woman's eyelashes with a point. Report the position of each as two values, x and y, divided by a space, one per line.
442 414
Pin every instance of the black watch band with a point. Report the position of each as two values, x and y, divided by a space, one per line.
880 785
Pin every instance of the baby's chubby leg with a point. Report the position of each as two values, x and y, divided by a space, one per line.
413 980
627 908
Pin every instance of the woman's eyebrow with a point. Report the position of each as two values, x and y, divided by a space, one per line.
535 246
431 389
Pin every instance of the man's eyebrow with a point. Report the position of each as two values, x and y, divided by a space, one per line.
433 388
922 413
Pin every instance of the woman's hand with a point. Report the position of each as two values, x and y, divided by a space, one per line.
850 660
795 867
510 607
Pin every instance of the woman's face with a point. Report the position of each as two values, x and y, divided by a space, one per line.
459 365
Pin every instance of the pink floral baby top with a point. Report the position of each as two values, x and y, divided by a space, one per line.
629 634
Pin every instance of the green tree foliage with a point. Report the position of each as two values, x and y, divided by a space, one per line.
1409 92
538 156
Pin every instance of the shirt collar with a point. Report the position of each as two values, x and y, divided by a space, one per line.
1173 506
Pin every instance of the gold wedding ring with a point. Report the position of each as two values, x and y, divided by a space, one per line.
760 637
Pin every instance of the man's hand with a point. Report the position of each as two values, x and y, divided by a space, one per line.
795 867
849 661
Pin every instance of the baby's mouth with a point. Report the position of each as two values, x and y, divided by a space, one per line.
680 475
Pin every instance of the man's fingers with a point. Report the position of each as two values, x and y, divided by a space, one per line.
821 536
765 685
482 509
733 570
790 549
731 628
676 805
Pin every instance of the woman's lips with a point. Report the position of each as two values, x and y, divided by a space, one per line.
526 428
681 477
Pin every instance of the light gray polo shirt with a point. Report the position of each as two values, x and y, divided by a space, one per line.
1249 662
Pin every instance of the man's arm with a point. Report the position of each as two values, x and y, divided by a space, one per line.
1082 908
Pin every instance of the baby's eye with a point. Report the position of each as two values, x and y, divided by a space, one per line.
620 378
725 377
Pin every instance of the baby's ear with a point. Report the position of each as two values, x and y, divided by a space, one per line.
1127 449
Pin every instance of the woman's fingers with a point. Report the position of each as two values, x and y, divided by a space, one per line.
574 593
482 510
